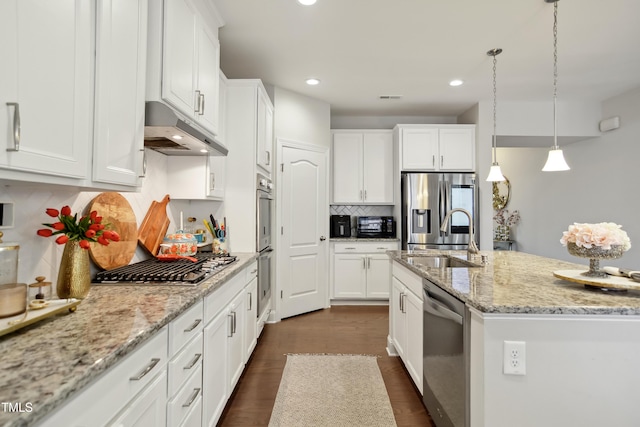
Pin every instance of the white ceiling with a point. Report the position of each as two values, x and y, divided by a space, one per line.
361 49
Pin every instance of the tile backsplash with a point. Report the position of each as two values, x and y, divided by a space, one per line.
358 210
41 256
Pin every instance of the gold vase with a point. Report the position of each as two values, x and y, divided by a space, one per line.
74 277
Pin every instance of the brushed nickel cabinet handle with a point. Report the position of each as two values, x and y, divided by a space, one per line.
16 126
441 161
193 361
193 325
230 326
235 322
201 104
146 370
197 102
433 160
194 396
250 301
268 158
144 164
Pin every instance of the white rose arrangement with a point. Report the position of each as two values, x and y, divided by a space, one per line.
603 235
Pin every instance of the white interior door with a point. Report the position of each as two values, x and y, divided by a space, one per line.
303 249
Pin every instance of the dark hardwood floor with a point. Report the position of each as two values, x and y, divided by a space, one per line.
339 329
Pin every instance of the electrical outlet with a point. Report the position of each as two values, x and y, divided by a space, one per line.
514 359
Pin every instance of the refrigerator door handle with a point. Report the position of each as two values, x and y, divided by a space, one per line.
441 205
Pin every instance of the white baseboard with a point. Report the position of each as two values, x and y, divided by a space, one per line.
359 302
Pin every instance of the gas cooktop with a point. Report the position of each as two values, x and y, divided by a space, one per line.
161 272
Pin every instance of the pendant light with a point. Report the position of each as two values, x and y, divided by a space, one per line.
555 161
495 174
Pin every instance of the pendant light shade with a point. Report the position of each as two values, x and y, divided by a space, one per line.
555 161
495 174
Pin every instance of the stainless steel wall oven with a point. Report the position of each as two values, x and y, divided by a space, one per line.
264 204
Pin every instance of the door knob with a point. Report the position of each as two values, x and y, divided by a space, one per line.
322 238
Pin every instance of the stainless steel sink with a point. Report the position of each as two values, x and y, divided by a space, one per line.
440 261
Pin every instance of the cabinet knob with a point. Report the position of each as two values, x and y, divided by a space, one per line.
322 238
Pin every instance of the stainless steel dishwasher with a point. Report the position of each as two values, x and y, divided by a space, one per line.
445 357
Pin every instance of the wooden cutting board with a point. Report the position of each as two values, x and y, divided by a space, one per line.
118 216
154 226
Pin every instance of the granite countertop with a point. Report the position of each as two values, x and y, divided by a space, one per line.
516 282
46 363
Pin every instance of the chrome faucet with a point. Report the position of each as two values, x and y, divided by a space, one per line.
471 247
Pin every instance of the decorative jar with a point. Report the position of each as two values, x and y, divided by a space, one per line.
502 233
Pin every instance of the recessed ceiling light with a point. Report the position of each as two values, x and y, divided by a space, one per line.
177 137
313 82
455 82
307 2
204 150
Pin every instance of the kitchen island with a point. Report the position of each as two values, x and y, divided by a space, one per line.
48 363
582 345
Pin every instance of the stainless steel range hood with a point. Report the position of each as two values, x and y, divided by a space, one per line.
166 131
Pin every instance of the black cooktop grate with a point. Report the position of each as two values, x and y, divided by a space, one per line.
174 271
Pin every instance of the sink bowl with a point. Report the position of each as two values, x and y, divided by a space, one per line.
440 261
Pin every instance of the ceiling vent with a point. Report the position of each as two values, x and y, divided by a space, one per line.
390 96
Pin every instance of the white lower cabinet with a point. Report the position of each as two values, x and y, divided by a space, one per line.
184 389
214 393
362 270
132 393
183 375
235 348
406 320
228 319
251 325
148 409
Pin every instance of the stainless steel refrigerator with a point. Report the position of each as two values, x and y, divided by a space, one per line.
426 199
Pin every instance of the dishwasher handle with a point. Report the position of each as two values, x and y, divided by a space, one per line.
436 308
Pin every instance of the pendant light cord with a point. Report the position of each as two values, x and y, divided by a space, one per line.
555 75
494 108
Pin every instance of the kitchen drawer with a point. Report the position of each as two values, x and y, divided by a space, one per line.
185 327
252 271
184 364
221 297
408 278
187 398
365 248
194 416
97 404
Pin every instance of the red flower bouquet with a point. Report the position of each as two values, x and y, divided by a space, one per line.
87 229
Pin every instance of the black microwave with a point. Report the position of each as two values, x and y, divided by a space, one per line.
376 227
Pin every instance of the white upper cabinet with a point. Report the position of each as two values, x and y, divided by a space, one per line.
190 62
249 125
264 137
46 87
419 148
362 167
436 147
196 177
121 47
